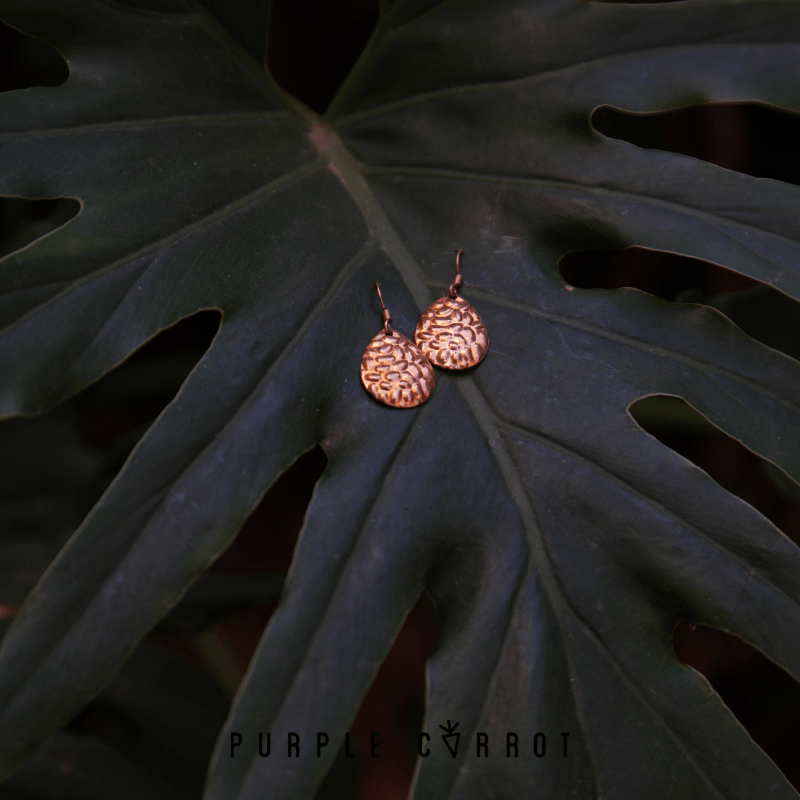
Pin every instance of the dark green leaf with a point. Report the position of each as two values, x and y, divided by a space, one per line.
72 767
44 469
560 542
148 735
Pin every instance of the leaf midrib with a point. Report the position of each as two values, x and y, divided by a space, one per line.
540 558
382 230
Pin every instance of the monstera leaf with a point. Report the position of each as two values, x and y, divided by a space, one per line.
560 542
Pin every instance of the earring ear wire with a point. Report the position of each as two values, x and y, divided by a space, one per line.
387 315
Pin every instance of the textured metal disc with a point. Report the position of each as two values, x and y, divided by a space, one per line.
394 371
452 334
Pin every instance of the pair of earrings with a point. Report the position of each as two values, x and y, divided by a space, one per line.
450 334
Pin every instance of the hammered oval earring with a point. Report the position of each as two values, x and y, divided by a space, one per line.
451 333
393 370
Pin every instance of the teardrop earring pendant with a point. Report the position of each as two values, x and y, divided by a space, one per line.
393 370
451 333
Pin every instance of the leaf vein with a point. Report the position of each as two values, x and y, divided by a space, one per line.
163 496
167 241
383 229
646 346
705 216
651 501
154 122
637 692
451 91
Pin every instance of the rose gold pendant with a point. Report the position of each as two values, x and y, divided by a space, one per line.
451 333
393 370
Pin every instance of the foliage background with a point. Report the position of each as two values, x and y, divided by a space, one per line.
157 723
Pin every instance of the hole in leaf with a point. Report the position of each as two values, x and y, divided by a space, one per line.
395 706
313 45
258 560
49 480
755 480
222 632
765 314
27 61
762 696
267 541
54 467
755 139
152 730
23 221
155 726
130 397
222 617
666 275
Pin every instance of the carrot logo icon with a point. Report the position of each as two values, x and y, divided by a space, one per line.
450 733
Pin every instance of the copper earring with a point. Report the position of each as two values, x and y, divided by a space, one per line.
393 370
451 333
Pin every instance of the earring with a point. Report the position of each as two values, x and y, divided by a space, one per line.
451 333
393 370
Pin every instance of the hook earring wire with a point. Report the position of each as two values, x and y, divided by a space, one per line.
387 315
456 284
